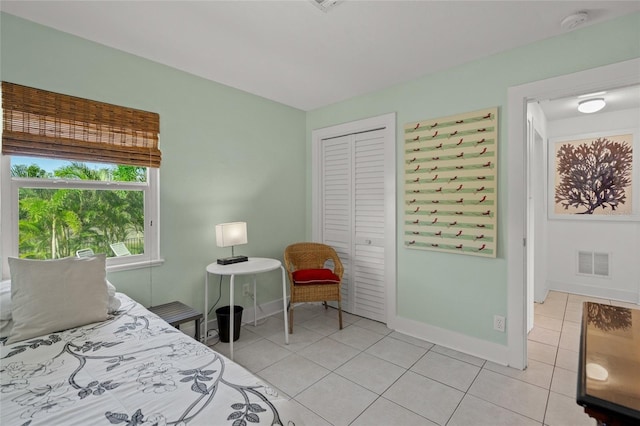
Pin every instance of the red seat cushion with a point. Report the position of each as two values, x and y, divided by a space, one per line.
315 277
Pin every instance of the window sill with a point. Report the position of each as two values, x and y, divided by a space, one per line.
135 265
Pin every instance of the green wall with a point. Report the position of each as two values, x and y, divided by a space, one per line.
229 155
226 156
458 292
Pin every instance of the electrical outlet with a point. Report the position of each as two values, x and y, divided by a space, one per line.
245 290
498 323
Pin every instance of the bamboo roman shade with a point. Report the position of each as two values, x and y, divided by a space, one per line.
47 124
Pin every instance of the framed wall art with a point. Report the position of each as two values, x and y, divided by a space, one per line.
594 177
450 183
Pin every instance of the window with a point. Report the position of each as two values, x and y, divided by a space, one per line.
62 207
61 203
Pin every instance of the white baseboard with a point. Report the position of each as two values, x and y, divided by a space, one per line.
546 293
601 292
447 338
453 340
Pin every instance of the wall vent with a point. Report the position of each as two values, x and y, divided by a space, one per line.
593 263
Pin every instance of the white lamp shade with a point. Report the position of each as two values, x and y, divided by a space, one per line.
231 234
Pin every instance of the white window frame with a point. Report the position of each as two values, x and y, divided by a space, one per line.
10 186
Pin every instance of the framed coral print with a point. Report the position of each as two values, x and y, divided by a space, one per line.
594 176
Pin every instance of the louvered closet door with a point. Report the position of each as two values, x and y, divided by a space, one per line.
368 215
353 218
336 205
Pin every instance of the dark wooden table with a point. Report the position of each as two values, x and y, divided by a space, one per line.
609 366
176 313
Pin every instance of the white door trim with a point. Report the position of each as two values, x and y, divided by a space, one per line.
614 75
388 123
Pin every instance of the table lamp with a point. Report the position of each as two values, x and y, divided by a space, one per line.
231 234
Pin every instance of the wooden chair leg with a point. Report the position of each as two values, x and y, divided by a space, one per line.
340 313
326 306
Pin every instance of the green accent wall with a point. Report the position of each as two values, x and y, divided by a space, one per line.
229 156
451 291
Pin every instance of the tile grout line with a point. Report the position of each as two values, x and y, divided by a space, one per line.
466 393
378 396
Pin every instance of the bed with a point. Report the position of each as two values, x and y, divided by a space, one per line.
131 369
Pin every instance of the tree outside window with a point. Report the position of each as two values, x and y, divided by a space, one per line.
55 222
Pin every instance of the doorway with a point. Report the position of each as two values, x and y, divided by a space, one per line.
353 210
615 75
570 254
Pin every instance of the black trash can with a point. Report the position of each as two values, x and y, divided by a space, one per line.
223 315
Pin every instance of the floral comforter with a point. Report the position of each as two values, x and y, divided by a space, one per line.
133 369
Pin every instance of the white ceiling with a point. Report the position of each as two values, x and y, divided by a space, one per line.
617 99
296 54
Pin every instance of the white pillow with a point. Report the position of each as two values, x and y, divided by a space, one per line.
5 308
5 300
114 302
5 305
5 327
54 295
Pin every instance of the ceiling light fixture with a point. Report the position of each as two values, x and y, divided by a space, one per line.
590 106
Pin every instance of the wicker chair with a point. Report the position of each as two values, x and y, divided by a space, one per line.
309 278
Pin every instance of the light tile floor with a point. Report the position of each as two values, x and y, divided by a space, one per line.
369 375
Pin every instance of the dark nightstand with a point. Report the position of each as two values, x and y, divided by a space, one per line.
176 313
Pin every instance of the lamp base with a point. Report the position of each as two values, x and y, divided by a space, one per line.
232 259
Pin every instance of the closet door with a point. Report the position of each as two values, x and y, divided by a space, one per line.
336 193
353 212
368 212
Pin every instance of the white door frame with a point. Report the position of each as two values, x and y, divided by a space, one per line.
388 123
601 78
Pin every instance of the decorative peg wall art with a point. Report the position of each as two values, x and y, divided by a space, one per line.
450 183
